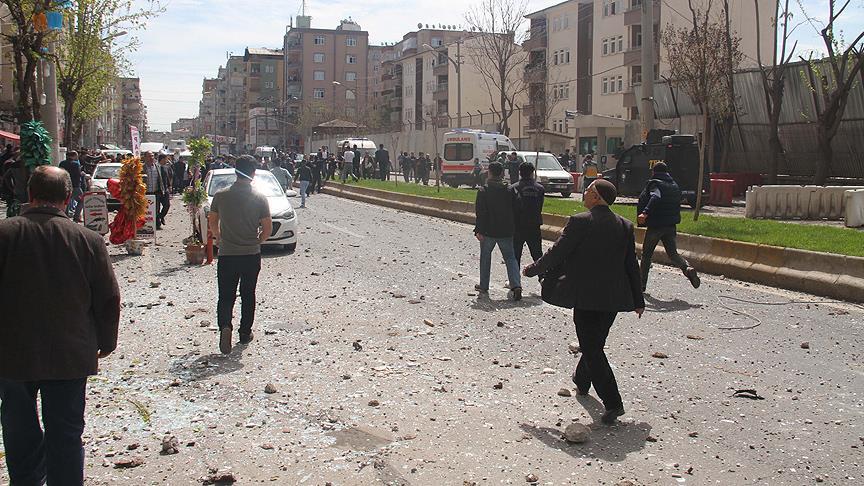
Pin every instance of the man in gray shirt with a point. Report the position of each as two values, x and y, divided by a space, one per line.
240 221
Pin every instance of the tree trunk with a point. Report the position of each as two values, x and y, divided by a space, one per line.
823 164
68 120
728 125
775 147
706 142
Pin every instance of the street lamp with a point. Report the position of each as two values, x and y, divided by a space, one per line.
457 63
114 36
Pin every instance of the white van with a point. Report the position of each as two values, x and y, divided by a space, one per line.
364 145
462 146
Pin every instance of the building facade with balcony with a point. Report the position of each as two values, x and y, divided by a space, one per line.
607 52
325 77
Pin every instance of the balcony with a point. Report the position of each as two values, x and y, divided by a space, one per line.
633 16
441 69
537 41
441 92
629 98
633 56
535 73
396 102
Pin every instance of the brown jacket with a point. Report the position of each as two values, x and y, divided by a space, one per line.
598 250
59 299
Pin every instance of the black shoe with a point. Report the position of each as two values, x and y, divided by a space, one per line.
247 338
693 277
611 415
515 294
480 289
225 340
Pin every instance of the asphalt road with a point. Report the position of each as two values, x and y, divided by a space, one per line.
367 393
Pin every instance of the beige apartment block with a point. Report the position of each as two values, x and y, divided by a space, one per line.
613 63
326 74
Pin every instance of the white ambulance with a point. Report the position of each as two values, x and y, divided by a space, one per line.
462 146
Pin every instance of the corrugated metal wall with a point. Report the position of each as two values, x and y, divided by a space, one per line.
797 125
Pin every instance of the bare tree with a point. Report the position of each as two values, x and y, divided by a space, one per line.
731 110
774 79
832 78
701 70
497 54
543 98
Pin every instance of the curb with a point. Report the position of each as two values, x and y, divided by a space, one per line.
825 274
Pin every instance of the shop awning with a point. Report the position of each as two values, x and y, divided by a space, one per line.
9 136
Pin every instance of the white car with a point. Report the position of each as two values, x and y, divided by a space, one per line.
284 218
99 181
549 174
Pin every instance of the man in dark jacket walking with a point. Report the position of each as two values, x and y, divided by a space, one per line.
598 251
529 213
61 309
382 158
659 209
495 208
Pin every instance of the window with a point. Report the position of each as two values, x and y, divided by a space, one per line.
351 59
318 58
565 22
349 94
610 7
318 93
555 58
436 42
605 85
590 30
318 76
351 41
350 76
255 68
319 40
620 83
556 24
605 47
269 68
620 43
565 56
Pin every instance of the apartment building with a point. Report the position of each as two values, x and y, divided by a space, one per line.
207 107
265 70
326 74
129 110
382 87
608 46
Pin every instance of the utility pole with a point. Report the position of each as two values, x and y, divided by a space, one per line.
646 107
49 108
459 81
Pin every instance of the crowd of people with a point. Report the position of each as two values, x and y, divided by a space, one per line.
591 268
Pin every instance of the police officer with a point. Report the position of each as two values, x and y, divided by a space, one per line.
529 213
659 209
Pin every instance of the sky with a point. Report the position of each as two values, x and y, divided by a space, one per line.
192 38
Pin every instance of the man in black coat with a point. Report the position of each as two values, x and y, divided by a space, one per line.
382 158
529 213
598 251
495 224
61 311
659 209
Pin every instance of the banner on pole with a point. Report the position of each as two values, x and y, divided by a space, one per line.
136 140
96 212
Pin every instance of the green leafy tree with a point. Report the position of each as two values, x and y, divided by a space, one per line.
27 40
88 56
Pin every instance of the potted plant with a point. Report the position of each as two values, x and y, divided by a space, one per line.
194 198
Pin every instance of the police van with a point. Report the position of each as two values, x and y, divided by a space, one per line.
462 146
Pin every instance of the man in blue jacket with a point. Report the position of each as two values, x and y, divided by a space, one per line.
659 209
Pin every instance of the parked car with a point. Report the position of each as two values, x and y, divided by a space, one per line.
284 218
99 181
549 174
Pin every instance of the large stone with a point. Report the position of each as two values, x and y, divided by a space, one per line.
577 433
170 445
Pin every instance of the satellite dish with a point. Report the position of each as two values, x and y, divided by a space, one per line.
427 26
420 25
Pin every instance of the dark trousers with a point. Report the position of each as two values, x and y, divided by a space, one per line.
57 453
316 182
592 329
165 204
534 240
385 172
231 271
668 235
